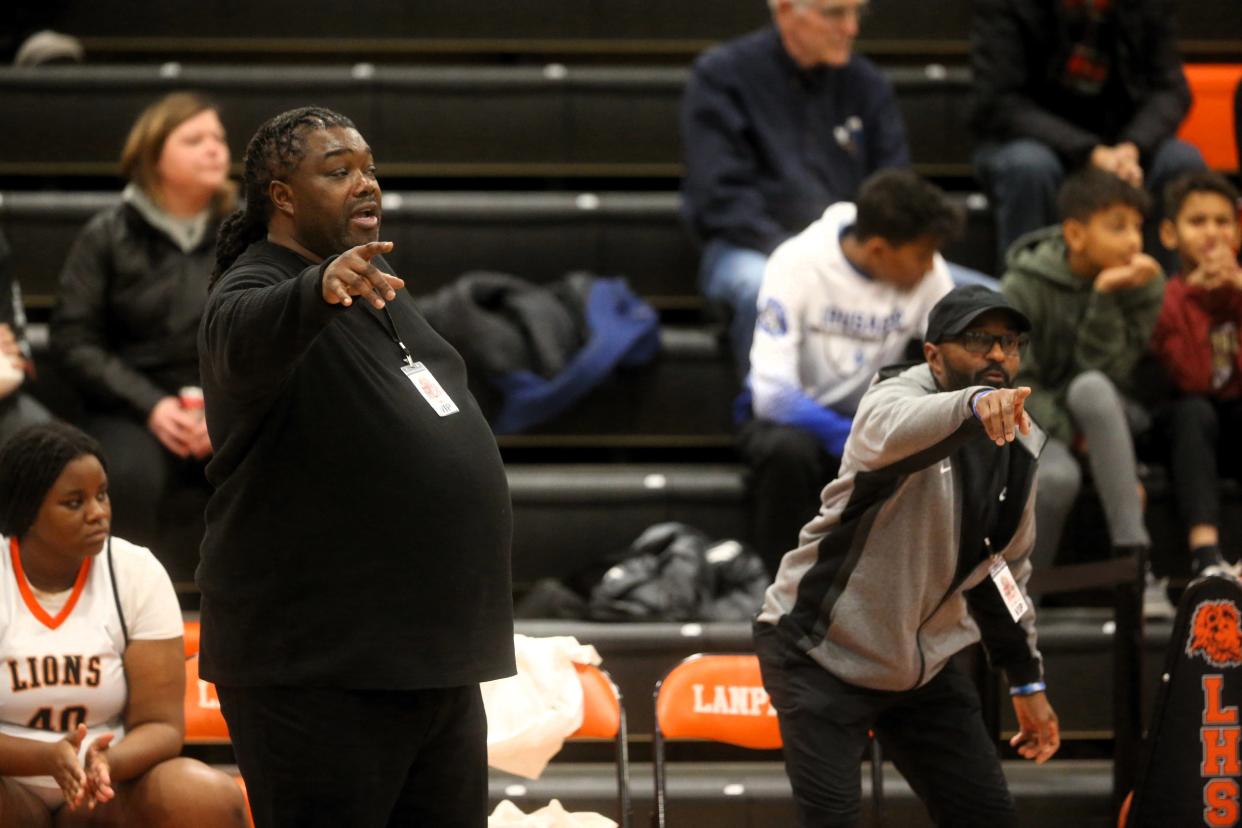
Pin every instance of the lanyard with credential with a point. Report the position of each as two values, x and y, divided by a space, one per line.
418 374
396 337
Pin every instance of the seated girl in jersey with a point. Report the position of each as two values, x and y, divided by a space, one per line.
92 671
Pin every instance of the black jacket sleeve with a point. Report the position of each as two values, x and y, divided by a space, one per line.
1167 98
721 195
258 323
78 326
1001 64
1006 641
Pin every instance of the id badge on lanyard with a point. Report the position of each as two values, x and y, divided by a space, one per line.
421 378
1008 587
420 375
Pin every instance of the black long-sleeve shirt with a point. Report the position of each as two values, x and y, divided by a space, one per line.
769 146
355 538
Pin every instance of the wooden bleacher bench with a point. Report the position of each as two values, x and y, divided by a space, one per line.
431 121
438 235
494 31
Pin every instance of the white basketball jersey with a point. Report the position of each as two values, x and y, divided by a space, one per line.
59 669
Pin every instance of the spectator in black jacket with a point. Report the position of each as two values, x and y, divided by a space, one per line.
1062 84
132 292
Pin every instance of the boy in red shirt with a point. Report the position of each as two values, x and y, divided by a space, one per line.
1197 340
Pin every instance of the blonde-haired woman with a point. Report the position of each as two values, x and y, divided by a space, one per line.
131 293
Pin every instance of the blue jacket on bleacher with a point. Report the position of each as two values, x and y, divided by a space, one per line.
540 348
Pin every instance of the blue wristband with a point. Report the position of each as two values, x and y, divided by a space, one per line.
1028 689
974 401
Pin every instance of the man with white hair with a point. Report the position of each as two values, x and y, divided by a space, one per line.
777 125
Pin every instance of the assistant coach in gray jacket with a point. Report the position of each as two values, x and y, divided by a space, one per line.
920 549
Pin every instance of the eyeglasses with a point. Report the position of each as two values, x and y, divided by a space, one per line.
980 343
838 13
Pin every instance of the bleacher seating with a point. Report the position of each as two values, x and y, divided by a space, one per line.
430 121
736 789
637 30
1075 642
539 138
438 235
756 794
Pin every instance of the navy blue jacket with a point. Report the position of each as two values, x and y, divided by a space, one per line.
768 145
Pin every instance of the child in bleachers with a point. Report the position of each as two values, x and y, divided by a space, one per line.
1092 296
1197 341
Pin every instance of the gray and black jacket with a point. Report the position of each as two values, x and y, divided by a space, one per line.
891 578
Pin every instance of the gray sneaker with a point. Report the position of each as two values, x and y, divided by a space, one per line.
1156 603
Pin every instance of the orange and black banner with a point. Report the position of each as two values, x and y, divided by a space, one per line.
1192 766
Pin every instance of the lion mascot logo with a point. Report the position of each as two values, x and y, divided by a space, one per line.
1214 634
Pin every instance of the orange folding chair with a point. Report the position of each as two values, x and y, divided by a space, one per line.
720 698
603 717
204 723
1209 124
190 638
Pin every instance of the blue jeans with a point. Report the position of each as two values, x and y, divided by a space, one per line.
731 275
1022 178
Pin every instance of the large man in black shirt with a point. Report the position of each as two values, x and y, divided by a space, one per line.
355 571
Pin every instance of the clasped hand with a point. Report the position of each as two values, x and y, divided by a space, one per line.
1218 268
84 784
1121 160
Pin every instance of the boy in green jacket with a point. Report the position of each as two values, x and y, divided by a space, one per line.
1093 297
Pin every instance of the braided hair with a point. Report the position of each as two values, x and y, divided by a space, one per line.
272 154
30 462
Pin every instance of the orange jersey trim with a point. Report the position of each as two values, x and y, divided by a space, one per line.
32 603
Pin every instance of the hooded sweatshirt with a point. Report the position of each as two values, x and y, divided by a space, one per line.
891 577
1074 328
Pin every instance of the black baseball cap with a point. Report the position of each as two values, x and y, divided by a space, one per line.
962 305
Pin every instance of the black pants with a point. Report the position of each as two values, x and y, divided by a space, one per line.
789 469
157 498
933 734
329 757
1204 440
